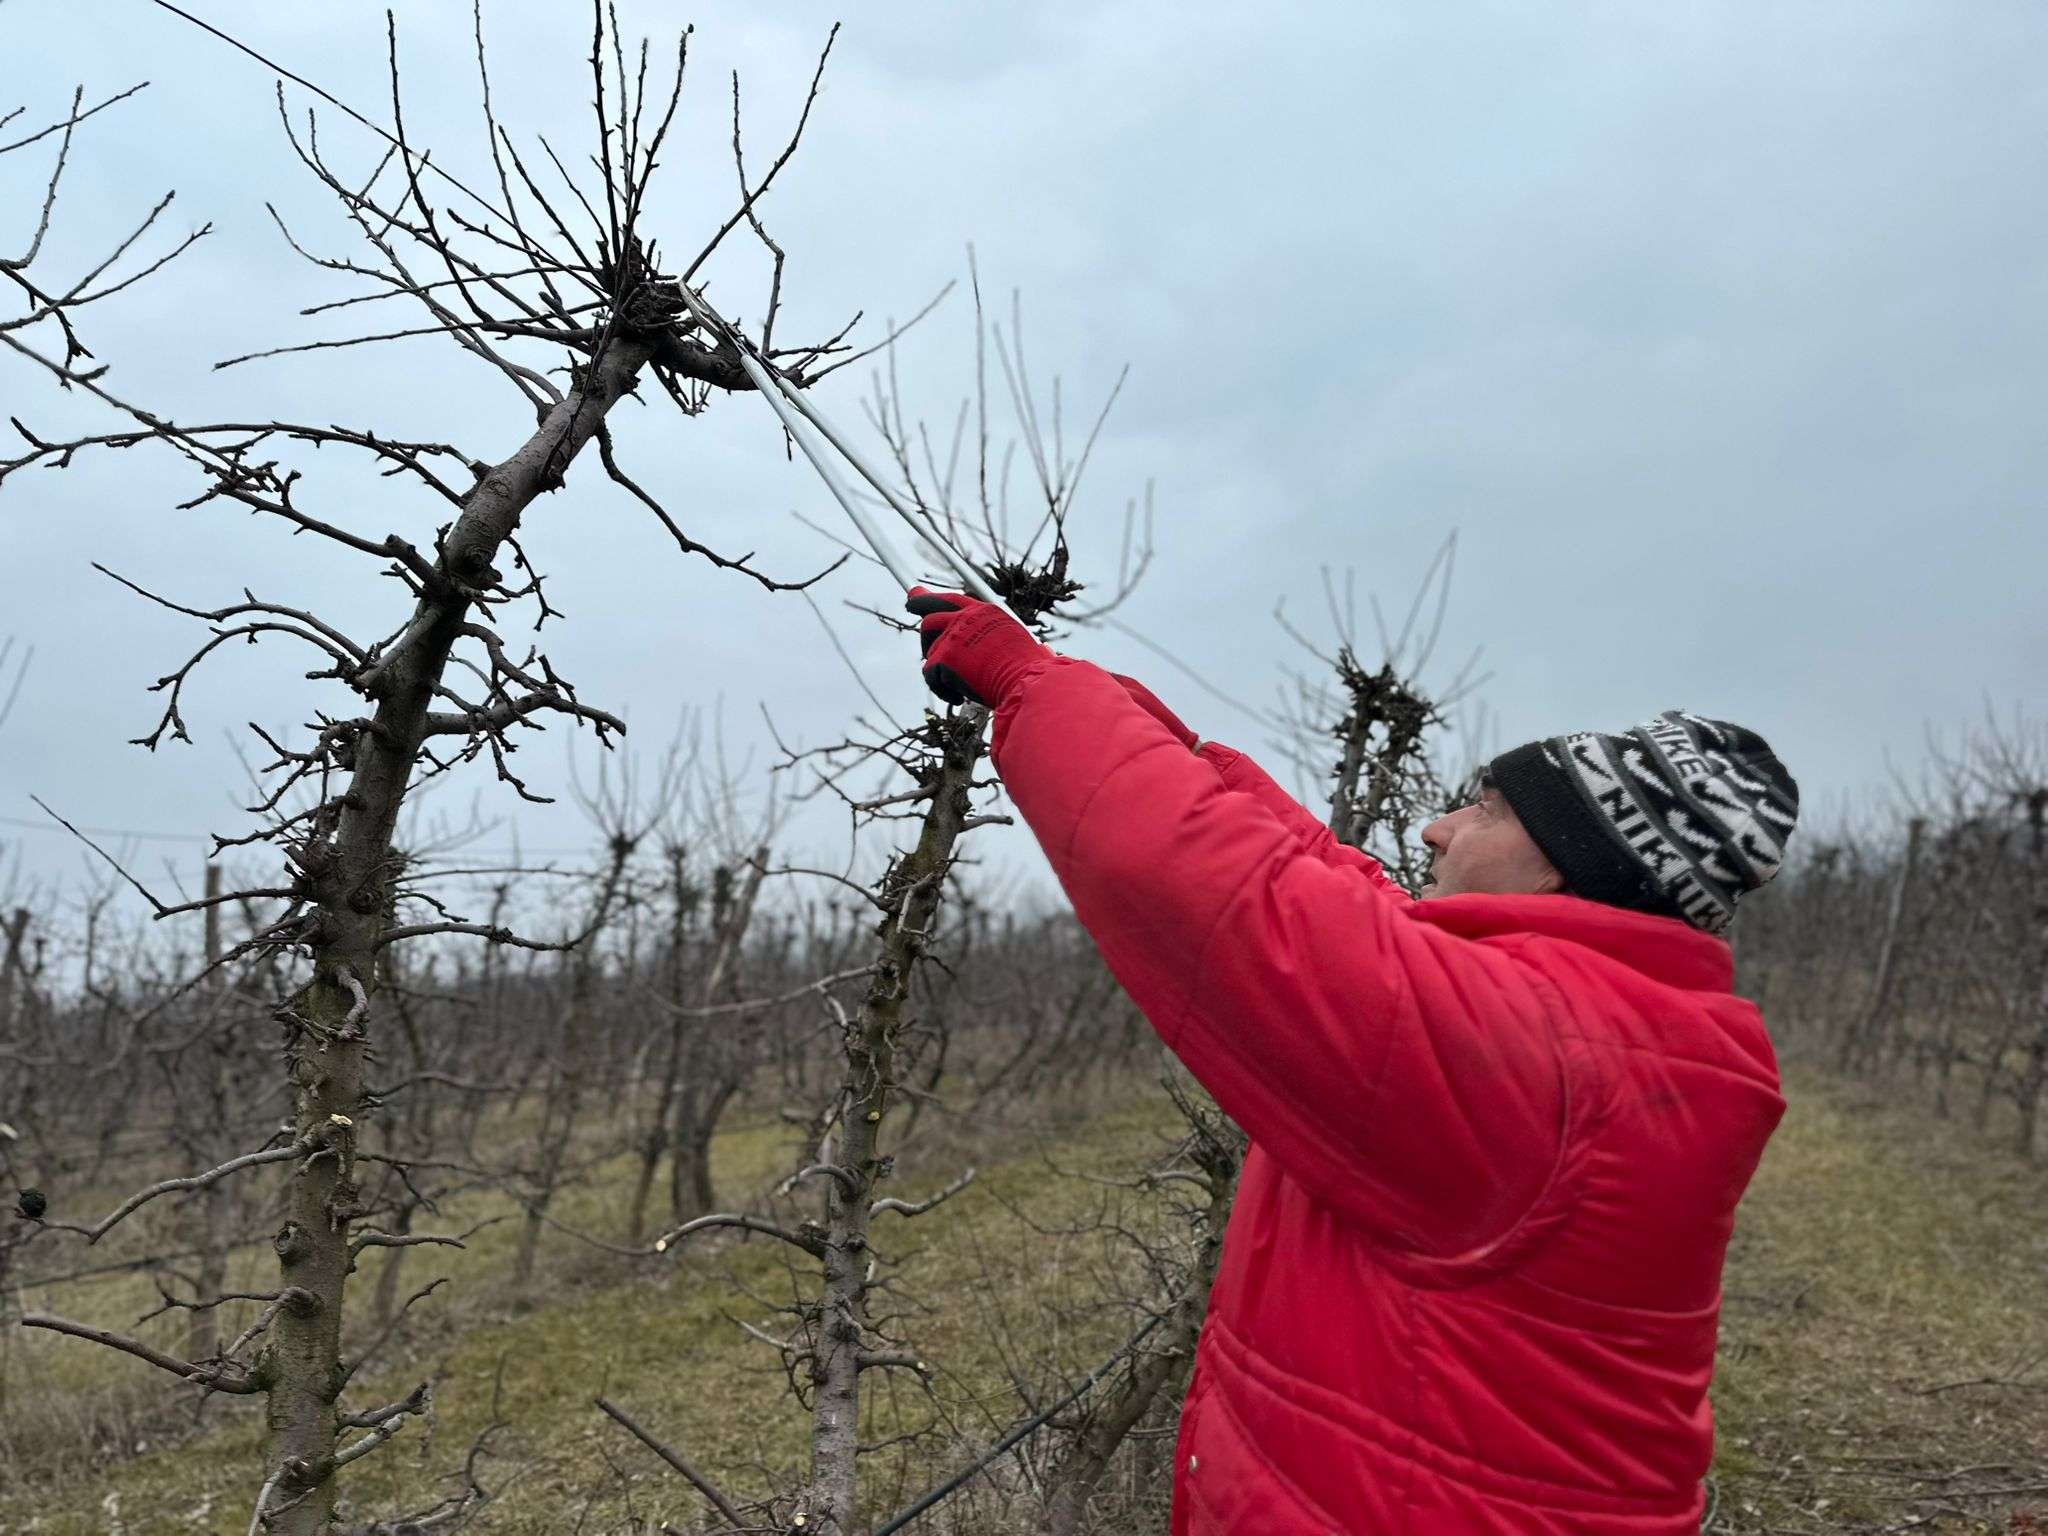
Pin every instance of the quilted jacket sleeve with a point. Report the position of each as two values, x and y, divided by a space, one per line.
1316 839
1409 1078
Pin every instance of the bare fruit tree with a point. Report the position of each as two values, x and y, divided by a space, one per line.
1914 945
839 1327
554 263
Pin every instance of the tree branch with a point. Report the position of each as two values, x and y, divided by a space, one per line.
221 1377
696 1479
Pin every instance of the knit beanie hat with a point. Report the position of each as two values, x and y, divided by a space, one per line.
1679 816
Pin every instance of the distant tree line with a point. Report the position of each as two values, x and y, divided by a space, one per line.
1911 946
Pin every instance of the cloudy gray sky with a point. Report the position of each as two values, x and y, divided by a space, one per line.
1716 331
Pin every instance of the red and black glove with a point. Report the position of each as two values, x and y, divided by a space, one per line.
1149 702
974 652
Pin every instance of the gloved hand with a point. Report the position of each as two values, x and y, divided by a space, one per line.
1149 702
974 652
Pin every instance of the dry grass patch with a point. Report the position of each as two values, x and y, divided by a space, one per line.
1888 1271
659 1337
1887 1311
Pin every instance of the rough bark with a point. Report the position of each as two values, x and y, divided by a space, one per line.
911 895
348 873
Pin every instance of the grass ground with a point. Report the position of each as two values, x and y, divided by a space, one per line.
1886 1310
659 1337
1887 1301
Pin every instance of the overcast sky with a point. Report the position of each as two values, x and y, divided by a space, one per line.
1717 333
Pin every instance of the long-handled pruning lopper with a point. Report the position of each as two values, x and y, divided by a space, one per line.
806 425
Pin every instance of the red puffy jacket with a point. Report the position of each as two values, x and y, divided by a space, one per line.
1473 1275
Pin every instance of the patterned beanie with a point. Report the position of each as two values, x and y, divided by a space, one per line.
1679 816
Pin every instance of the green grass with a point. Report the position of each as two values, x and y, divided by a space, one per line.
1880 1254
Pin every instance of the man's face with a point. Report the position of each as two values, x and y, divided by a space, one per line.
1482 847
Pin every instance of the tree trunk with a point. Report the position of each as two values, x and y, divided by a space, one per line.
643 1184
209 1206
657 1133
12 968
384 1304
202 1338
347 869
1860 1041
693 1194
910 896
564 1102
714 1068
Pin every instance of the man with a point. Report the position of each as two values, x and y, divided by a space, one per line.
1472 1280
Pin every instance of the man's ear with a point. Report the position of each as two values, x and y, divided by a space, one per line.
1550 882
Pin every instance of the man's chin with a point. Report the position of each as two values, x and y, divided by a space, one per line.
1428 891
